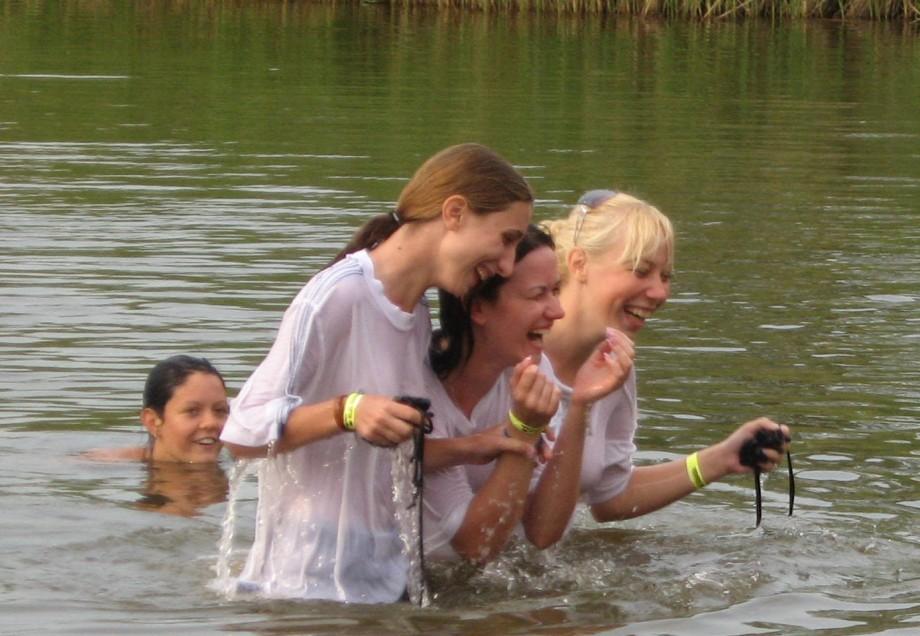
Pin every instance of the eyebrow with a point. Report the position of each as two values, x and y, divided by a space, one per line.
543 288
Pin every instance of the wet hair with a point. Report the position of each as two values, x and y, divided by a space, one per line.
641 228
171 373
452 344
487 181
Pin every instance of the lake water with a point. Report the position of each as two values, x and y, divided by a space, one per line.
171 174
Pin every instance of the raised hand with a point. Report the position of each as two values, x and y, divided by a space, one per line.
606 369
534 397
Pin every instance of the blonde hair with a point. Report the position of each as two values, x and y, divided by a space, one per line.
641 229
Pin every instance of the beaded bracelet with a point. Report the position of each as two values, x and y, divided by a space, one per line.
338 411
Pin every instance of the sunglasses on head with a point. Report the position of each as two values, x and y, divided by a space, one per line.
587 202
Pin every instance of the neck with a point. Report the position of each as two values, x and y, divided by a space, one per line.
469 383
401 264
571 340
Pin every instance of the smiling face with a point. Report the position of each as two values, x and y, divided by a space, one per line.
479 246
513 326
622 297
191 422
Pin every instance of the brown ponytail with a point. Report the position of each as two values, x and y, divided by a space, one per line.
487 181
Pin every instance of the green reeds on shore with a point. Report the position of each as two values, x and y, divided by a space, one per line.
700 9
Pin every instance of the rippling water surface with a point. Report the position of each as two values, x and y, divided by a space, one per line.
171 174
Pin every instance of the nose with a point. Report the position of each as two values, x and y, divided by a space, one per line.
506 262
214 421
555 311
660 290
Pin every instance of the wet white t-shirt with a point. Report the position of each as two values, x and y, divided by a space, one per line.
326 525
606 461
606 464
448 492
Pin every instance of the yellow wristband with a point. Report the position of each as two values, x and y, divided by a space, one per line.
694 471
519 424
351 410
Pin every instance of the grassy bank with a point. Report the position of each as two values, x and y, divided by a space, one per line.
698 9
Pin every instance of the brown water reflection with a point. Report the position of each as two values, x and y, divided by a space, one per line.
182 489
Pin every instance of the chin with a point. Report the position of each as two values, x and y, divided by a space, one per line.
459 289
203 457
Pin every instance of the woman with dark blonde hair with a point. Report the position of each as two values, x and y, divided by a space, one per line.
321 405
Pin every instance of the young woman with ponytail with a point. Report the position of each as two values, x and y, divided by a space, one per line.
321 407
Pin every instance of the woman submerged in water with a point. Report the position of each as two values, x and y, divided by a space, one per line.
184 410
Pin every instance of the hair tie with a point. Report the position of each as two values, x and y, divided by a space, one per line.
395 216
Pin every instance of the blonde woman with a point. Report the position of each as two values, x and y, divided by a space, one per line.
615 255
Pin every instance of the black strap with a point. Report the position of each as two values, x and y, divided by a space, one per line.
752 455
418 466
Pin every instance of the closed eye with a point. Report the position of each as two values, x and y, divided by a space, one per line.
512 237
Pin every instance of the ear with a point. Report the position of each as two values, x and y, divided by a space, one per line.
151 421
577 264
452 210
477 315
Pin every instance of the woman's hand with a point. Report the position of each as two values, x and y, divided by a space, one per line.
606 369
382 421
534 397
728 452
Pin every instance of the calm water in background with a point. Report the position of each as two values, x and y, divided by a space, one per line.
171 174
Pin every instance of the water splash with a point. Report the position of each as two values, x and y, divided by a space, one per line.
407 518
225 583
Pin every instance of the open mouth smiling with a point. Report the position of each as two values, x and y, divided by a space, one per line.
484 272
640 313
536 337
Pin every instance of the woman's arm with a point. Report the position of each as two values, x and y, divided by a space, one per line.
497 507
553 501
653 487
379 420
478 448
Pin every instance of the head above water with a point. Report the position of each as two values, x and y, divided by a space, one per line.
185 409
171 373
486 181
605 220
452 344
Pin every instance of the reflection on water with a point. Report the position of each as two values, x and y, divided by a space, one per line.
182 489
172 173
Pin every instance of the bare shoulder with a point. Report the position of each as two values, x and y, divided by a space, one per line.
133 454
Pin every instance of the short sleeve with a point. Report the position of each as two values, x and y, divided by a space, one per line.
616 418
615 476
262 406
